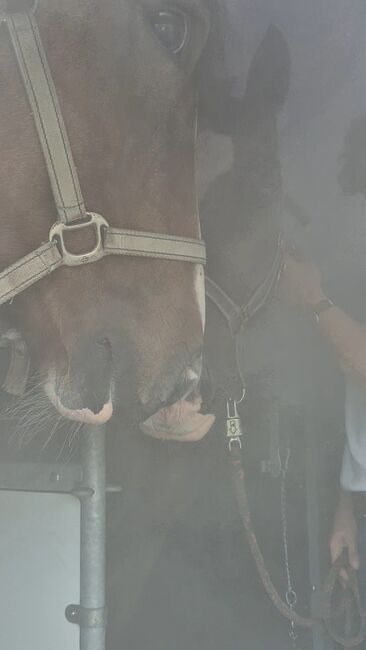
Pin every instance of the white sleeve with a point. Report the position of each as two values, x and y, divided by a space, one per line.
353 473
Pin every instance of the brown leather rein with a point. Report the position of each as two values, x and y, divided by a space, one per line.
236 317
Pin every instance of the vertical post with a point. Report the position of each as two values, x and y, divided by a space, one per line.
93 540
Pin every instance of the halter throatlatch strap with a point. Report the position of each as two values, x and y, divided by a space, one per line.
47 115
72 214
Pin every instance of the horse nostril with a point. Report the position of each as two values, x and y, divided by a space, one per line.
90 373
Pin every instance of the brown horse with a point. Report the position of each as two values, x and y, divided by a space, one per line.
125 333
176 555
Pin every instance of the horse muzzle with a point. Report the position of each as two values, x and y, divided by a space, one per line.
181 421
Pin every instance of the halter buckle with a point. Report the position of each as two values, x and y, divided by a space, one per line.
94 221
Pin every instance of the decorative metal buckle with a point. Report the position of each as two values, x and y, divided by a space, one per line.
233 424
95 221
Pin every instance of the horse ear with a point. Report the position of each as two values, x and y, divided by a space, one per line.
266 88
269 73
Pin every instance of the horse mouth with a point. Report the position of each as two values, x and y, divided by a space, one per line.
83 415
182 421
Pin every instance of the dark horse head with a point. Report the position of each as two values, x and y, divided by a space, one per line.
242 209
121 333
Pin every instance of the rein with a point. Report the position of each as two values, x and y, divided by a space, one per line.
350 597
236 317
72 213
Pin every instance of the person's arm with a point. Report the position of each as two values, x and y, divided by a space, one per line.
301 283
348 337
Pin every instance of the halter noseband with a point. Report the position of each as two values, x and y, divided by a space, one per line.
72 213
236 316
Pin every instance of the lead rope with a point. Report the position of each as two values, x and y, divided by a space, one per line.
234 435
290 595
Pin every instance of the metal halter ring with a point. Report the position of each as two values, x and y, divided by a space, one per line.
97 223
291 598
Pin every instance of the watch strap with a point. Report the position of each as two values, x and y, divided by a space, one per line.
321 306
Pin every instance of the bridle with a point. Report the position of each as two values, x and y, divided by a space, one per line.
236 318
72 213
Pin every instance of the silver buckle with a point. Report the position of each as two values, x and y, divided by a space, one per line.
95 221
233 423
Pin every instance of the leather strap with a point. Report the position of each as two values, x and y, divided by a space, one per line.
321 306
230 311
47 258
237 316
65 184
144 244
28 270
47 115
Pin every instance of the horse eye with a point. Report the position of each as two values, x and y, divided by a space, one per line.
172 29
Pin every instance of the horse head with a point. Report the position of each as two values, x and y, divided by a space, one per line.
242 209
122 333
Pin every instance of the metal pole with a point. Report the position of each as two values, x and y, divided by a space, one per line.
93 540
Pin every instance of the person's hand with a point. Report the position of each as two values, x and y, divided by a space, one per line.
300 282
344 535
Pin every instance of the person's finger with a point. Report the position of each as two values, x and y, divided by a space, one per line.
343 577
336 546
353 556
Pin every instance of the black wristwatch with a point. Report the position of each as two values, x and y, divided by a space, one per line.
321 306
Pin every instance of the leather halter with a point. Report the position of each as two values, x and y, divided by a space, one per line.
235 315
72 213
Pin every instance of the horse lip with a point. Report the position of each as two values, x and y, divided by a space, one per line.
86 415
182 421
83 415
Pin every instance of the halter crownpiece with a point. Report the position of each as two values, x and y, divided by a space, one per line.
72 213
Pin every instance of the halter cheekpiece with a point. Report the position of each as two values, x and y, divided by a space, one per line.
72 213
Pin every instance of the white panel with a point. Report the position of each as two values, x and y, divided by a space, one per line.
39 570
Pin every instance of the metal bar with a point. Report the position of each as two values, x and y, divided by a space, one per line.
93 539
39 477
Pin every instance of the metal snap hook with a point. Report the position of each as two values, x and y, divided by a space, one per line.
233 424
